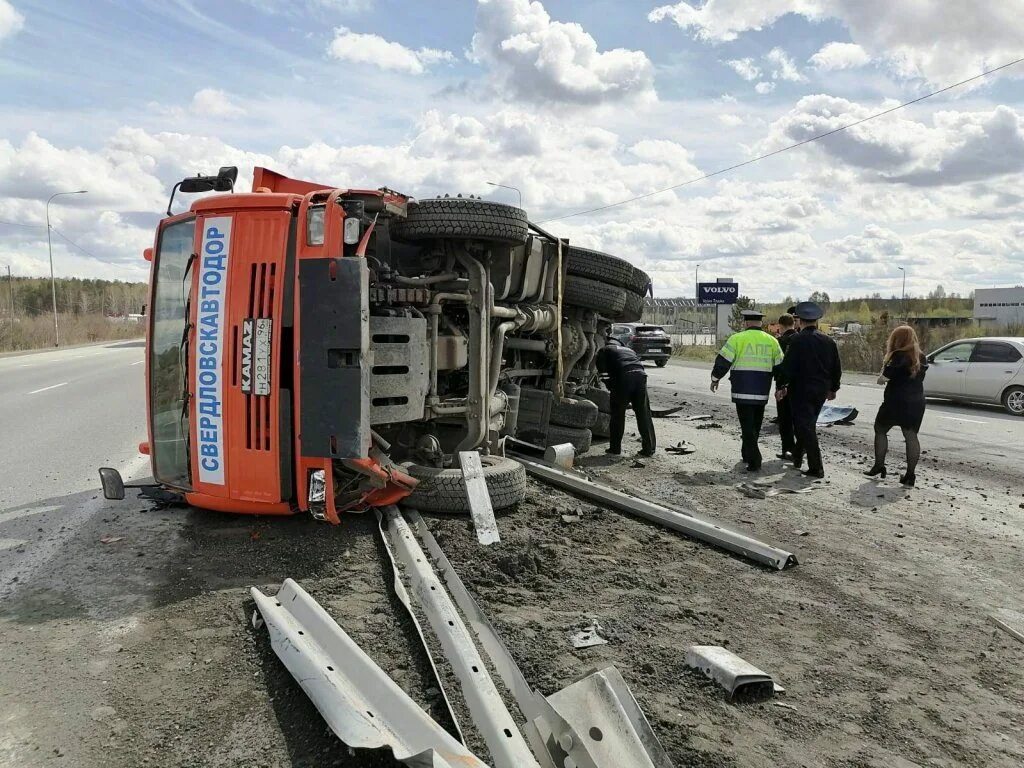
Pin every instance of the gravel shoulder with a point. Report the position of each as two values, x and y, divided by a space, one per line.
139 651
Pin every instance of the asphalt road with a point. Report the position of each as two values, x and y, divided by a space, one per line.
978 432
63 414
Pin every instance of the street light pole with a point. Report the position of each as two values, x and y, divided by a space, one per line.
49 248
696 300
903 299
10 285
506 186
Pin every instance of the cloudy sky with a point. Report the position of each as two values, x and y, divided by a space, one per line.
579 103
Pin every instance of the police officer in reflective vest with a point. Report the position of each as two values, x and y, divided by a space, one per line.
752 355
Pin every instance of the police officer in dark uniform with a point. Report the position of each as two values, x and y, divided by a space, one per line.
785 417
812 373
624 374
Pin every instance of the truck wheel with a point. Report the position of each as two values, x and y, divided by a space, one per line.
461 218
580 438
443 490
641 282
568 412
633 310
603 426
1013 401
608 300
602 397
584 262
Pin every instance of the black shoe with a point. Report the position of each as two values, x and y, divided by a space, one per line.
613 452
876 470
647 453
798 461
786 456
908 479
818 473
753 467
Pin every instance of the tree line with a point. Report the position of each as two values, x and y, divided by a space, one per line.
75 296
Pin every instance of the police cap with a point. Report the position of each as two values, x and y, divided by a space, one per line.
808 310
791 310
750 315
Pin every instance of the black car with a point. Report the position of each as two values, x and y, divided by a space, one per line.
650 342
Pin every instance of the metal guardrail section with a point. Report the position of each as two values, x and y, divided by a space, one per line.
593 723
695 527
361 704
492 718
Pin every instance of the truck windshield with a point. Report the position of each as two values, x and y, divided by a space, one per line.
168 355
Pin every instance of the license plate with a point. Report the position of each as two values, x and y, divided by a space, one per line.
256 356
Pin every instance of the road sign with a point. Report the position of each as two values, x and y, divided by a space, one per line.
717 293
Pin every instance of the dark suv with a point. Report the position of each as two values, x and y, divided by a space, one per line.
650 342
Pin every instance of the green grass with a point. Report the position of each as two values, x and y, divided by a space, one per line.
701 352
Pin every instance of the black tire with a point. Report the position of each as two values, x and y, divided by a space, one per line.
608 300
661 363
1013 401
584 262
580 438
603 426
460 218
641 282
443 490
602 397
568 412
633 309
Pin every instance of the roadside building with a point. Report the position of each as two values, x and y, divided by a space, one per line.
999 307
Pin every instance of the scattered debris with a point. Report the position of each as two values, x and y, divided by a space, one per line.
637 464
698 417
561 455
799 532
111 539
784 705
837 414
664 413
739 677
1011 622
588 637
479 498
682 448
710 425
571 519
763 491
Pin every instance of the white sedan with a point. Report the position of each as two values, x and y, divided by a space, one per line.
987 370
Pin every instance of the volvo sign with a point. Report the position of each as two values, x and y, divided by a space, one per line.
717 293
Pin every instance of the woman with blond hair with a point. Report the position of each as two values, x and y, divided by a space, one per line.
902 406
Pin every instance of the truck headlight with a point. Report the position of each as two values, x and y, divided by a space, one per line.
315 226
351 230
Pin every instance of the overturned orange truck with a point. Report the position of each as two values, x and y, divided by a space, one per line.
320 349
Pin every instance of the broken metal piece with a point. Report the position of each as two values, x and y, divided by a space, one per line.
837 414
588 637
1011 622
698 417
764 491
740 678
479 498
359 701
690 525
492 718
663 413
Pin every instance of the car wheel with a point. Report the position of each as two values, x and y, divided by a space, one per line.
1013 401
661 363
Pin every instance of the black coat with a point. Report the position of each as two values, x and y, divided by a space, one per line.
811 367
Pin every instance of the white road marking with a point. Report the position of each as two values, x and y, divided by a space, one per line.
14 514
140 362
44 389
957 418
11 543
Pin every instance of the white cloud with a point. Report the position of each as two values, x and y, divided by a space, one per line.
765 87
374 50
875 244
839 56
745 68
783 67
537 59
730 120
917 40
11 22
214 102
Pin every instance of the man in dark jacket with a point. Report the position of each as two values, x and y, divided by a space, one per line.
812 372
624 374
785 419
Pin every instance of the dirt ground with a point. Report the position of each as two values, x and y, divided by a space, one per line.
139 651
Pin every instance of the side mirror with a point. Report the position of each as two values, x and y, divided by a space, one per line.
226 177
113 485
195 184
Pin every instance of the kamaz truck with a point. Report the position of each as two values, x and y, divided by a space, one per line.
313 348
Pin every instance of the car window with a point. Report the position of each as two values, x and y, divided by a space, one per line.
994 352
958 353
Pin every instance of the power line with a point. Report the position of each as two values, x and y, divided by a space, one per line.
785 149
19 224
76 245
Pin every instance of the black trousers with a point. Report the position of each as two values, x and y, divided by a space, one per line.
806 407
631 389
751 416
786 432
